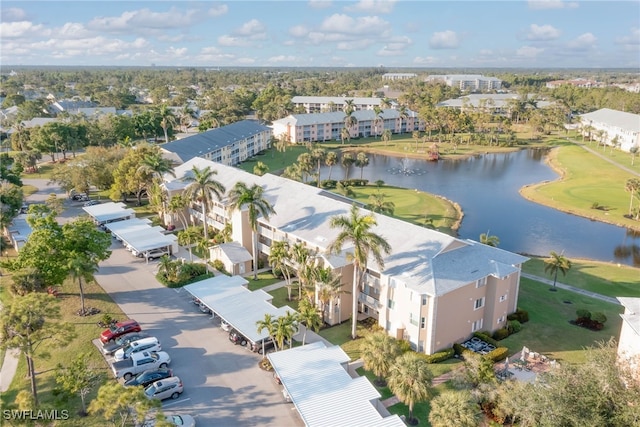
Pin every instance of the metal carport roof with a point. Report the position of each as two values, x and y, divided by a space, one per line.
109 211
128 225
241 308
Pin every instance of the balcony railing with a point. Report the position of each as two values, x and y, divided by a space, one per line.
369 301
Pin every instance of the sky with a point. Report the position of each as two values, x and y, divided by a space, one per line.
316 33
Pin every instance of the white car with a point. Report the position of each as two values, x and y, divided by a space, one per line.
91 203
156 253
225 326
144 344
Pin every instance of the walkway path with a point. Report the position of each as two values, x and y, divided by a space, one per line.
603 157
570 288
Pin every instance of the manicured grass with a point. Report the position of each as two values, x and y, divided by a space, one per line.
587 179
604 278
86 330
280 297
385 393
44 172
28 190
275 160
420 411
549 331
264 279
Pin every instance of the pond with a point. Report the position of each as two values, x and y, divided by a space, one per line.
486 187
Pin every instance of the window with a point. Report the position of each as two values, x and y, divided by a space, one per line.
392 304
500 320
476 326
503 298
424 300
423 322
413 320
480 283
479 303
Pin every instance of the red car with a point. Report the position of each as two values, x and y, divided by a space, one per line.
118 329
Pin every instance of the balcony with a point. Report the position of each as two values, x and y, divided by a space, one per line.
369 301
372 281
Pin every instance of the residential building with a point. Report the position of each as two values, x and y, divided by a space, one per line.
612 127
300 128
629 341
323 104
495 103
398 76
434 290
584 83
228 145
469 82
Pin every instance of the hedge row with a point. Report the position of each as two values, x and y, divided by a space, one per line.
486 337
520 315
440 356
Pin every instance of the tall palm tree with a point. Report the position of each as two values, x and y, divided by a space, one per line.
377 121
186 117
350 121
457 408
176 206
81 268
309 317
188 237
362 161
347 160
202 188
252 197
284 329
489 240
386 136
632 186
356 229
410 380
402 115
328 288
378 204
331 160
167 120
349 106
379 351
280 258
556 262
301 258
345 134
268 323
318 155
385 103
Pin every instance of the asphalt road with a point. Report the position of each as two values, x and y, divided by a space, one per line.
223 384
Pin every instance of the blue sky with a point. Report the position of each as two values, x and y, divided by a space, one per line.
545 33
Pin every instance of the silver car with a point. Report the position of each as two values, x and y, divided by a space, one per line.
164 389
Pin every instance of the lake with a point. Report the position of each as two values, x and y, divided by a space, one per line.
486 187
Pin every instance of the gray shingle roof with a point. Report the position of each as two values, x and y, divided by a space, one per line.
214 139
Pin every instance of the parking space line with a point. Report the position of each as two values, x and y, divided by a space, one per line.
176 402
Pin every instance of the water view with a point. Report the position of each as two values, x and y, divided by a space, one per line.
486 187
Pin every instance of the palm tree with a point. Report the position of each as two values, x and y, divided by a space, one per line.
328 288
81 268
188 237
556 262
318 155
284 329
268 323
378 119
386 136
489 240
347 160
252 197
416 137
176 206
260 169
309 317
345 134
362 161
301 258
187 115
167 119
349 106
279 258
378 204
331 160
410 380
402 114
202 188
385 103
356 229
457 408
379 352
633 186
305 165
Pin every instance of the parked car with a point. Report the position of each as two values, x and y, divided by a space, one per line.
150 376
156 253
123 340
79 197
119 329
225 326
237 338
144 344
165 389
91 203
262 346
140 362
175 420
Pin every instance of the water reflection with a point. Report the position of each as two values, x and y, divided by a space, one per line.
486 187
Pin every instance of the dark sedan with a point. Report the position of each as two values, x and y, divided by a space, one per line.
149 377
123 340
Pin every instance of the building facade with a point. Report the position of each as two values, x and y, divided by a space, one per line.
326 104
468 82
629 341
398 76
434 289
612 127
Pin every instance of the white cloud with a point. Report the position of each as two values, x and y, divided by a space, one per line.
444 40
299 31
425 60
250 29
395 47
22 29
373 6
344 24
13 14
218 10
583 42
145 19
244 35
320 4
633 39
282 59
542 32
72 30
354 44
529 51
552 4
231 41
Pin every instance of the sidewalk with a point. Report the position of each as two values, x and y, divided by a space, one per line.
570 288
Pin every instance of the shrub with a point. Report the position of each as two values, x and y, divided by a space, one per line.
498 354
458 348
484 336
520 315
218 265
502 333
514 326
404 345
583 314
598 317
440 356
328 183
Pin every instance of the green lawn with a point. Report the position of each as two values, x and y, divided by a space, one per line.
280 297
600 277
86 330
549 331
385 393
264 279
587 179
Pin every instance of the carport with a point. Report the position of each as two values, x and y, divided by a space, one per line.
107 213
149 238
230 299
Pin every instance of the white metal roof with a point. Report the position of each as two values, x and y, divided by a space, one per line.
228 297
619 119
631 313
109 211
322 390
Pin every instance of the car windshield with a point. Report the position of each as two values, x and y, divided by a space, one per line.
177 420
114 328
150 391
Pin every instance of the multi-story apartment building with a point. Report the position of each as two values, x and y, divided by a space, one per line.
583 83
470 82
494 103
612 127
324 104
328 126
228 145
398 76
629 341
434 289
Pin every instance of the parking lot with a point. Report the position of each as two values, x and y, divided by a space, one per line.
223 384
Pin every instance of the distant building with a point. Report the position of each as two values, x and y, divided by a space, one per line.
300 128
228 145
618 126
629 342
584 83
471 82
71 106
495 103
398 76
630 87
324 104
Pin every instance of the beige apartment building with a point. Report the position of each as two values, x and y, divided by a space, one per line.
434 290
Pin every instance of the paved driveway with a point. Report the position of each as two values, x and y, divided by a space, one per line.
223 384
